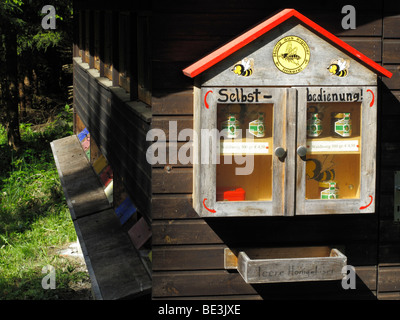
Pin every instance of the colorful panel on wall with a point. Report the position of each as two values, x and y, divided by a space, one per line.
125 210
82 135
140 233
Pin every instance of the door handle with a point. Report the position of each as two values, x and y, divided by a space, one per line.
280 152
301 151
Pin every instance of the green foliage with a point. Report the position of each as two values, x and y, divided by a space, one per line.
7 6
40 41
34 218
29 180
10 11
33 37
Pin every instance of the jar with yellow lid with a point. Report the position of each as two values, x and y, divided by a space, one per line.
328 190
341 124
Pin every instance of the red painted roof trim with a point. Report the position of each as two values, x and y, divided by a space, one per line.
247 37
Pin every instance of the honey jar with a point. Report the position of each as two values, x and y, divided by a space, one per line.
341 124
328 190
257 127
314 125
232 126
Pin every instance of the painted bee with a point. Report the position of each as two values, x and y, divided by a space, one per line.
244 68
339 67
291 54
320 171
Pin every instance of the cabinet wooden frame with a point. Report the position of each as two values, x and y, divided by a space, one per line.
205 202
289 172
368 117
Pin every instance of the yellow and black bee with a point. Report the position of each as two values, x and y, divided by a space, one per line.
319 172
339 67
244 68
290 55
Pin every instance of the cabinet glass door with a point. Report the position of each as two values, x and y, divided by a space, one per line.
333 165
338 137
247 132
248 173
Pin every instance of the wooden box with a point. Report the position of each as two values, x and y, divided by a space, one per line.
291 264
298 137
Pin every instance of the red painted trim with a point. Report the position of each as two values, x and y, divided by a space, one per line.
363 58
244 39
205 98
211 210
370 202
373 98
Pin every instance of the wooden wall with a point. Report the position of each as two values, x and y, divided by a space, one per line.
187 250
389 231
118 131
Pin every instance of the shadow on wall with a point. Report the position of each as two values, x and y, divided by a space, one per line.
314 290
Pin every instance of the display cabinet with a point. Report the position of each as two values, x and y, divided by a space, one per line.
285 124
336 148
281 151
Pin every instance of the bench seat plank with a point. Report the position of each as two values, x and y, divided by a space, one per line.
115 267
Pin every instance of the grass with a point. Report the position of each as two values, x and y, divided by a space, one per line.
34 219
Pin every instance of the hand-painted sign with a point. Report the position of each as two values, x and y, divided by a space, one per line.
243 95
333 95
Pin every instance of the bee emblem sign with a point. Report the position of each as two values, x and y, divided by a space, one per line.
339 67
244 68
291 55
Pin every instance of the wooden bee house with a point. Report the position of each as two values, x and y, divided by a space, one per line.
275 152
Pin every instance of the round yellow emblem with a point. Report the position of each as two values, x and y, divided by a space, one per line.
291 54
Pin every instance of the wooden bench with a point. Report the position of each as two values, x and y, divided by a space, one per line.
115 267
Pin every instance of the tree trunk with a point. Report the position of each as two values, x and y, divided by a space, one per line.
28 91
35 83
24 85
21 93
12 119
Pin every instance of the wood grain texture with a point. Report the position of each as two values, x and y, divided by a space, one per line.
267 231
109 115
83 190
172 103
188 257
199 283
183 232
114 266
176 180
173 206
388 279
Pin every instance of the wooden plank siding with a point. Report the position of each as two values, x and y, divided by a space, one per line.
118 131
389 241
188 250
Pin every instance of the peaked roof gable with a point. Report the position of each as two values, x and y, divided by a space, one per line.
247 37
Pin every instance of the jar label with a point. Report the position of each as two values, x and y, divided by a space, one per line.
314 126
343 126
